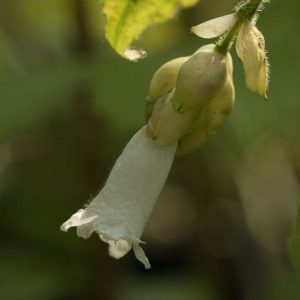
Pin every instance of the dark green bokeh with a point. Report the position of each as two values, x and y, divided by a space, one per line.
69 104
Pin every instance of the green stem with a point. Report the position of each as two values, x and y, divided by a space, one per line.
244 12
225 42
249 9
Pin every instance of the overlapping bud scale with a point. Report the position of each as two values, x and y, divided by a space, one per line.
196 103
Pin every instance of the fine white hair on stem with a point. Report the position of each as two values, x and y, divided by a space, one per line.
120 211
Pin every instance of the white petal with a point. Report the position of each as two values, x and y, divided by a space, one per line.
140 256
250 47
76 220
85 231
215 27
124 204
118 249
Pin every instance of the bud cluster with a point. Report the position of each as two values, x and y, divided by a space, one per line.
189 97
250 42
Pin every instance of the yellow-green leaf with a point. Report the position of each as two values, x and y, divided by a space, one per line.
127 19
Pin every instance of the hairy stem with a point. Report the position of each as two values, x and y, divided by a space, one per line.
249 9
245 12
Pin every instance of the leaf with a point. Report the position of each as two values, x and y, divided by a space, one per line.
127 19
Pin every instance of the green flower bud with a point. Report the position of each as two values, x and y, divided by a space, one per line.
163 82
210 118
206 100
200 79
167 125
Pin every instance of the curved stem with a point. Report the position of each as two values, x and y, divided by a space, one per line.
224 44
245 12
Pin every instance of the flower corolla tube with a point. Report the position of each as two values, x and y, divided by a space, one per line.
119 212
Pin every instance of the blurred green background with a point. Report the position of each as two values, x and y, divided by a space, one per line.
225 225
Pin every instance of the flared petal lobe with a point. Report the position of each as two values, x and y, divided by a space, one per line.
215 27
120 211
250 47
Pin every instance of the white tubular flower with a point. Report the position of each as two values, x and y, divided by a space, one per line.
250 47
215 27
120 211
